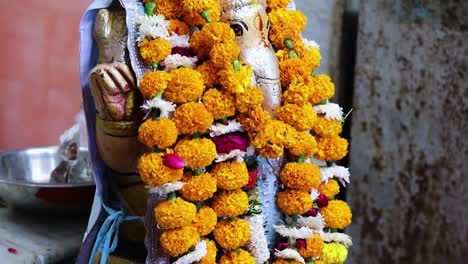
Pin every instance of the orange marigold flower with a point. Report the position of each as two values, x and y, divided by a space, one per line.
169 9
293 70
236 81
209 73
205 221
202 41
199 188
236 257
198 153
178 241
283 261
273 138
175 214
302 118
224 53
277 4
329 189
293 201
252 97
337 214
231 203
155 50
313 248
154 82
193 11
191 118
220 104
232 234
303 143
231 175
323 88
300 176
310 56
178 27
254 120
210 257
298 93
331 148
327 128
286 24
153 172
161 133
186 85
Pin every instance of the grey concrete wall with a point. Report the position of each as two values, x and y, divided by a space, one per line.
409 138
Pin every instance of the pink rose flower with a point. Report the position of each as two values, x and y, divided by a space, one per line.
174 161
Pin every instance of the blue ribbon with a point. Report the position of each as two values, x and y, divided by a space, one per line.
108 236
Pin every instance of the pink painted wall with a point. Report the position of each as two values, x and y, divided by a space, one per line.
39 75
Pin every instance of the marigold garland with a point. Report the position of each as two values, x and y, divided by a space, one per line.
236 257
154 82
175 214
210 257
231 203
236 81
293 201
286 24
186 85
250 99
220 104
323 88
294 70
209 74
198 153
298 93
254 120
277 4
313 248
199 188
205 221
161 133
302 118
178 241
284 261
222 54
303 143
337 214
327 128
153 172
194 9
154 50
191 118
231 175
329 189
334 253
169 9
300 176
232 234
178 27
331 148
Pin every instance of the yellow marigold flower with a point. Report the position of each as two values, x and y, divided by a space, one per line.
337 214
293 70
310 56
210 257
161 133
300 176
199 188
209 73
231 175
191 118
303 143
282 54
298 93
169 9
155 50
323 88
178 241
302 118
237 257
329 189
327 128
277 4
236 81
283 261
175 214
313 248
231 203
331 148
198 153
232 234
271 140
178 27
193 11
319 262
224 53
153 172
293 201
220 104
286 24
154 82
186 85
248 100
254 120
205 221
334 253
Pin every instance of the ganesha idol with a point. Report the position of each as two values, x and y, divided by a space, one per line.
120 105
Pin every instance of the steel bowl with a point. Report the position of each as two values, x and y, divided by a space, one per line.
26 182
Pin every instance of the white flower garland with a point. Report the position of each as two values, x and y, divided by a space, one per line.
181 41
235 153
310 43
292 232
200 251
316 224
175 61
166 108
340 172
153 27
166 188
220 129
289 254
330 110
341 238
257 244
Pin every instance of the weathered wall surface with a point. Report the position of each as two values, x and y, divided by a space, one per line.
409 145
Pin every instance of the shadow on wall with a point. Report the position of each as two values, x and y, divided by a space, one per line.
39 75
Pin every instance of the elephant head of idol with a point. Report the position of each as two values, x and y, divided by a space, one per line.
249 20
